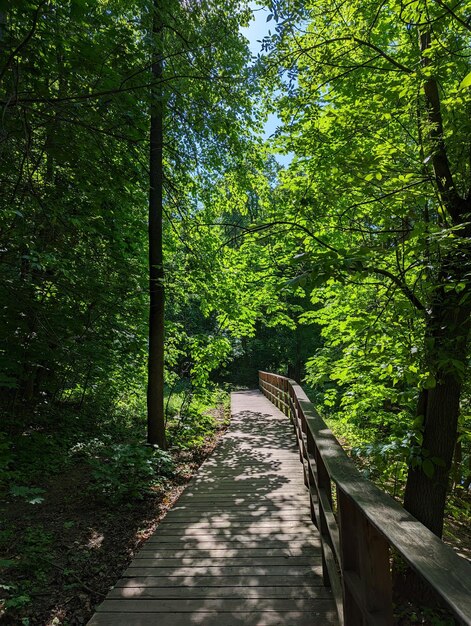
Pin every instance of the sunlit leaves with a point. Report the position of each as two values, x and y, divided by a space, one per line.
362 184
466 82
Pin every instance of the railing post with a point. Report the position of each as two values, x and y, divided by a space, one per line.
311 451
303 445
297 429
285 397
348 523
324 485
297 409
366 572
292 406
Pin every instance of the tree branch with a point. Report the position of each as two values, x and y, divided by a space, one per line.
368 44
453 14
406 290
454 204
24 42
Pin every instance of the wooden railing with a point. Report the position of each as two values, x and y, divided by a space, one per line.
359 524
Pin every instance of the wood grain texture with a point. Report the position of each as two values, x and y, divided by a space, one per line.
371 523
238 547
321 615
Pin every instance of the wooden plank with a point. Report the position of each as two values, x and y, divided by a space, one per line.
248 467
313 579
221 553
274 538
254 505
285 512
288 527
254 498
287 487
237 516
259 524
306 590
323 615
226 605
247 529
290 487
221 570
141 560
247 544
224 463
277 532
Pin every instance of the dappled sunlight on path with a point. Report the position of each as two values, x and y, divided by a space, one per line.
238 546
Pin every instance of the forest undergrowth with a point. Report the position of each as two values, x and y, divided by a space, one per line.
78 504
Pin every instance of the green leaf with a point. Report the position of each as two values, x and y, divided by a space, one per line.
430 382
32 495
466 82
17 602
428 467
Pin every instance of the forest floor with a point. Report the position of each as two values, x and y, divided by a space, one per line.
72 548
457 530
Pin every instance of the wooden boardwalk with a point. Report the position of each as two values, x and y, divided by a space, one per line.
238 547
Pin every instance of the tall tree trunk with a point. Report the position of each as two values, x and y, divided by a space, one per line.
446 343
155 379
447 330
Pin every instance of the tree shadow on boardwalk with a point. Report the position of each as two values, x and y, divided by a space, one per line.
238 547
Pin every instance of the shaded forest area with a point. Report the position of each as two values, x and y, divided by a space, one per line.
348 269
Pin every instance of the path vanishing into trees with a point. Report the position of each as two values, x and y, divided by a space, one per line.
239 546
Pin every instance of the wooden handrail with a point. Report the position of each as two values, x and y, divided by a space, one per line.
358 535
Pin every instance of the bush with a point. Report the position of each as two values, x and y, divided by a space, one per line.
129 471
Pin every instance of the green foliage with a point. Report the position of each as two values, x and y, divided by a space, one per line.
33 495
361 223
349 269
466 82
122 472
424 615
31 566
74 309
18 602
192 416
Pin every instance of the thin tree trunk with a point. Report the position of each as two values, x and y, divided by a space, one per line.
155 380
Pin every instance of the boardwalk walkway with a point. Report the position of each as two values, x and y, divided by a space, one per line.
238 547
